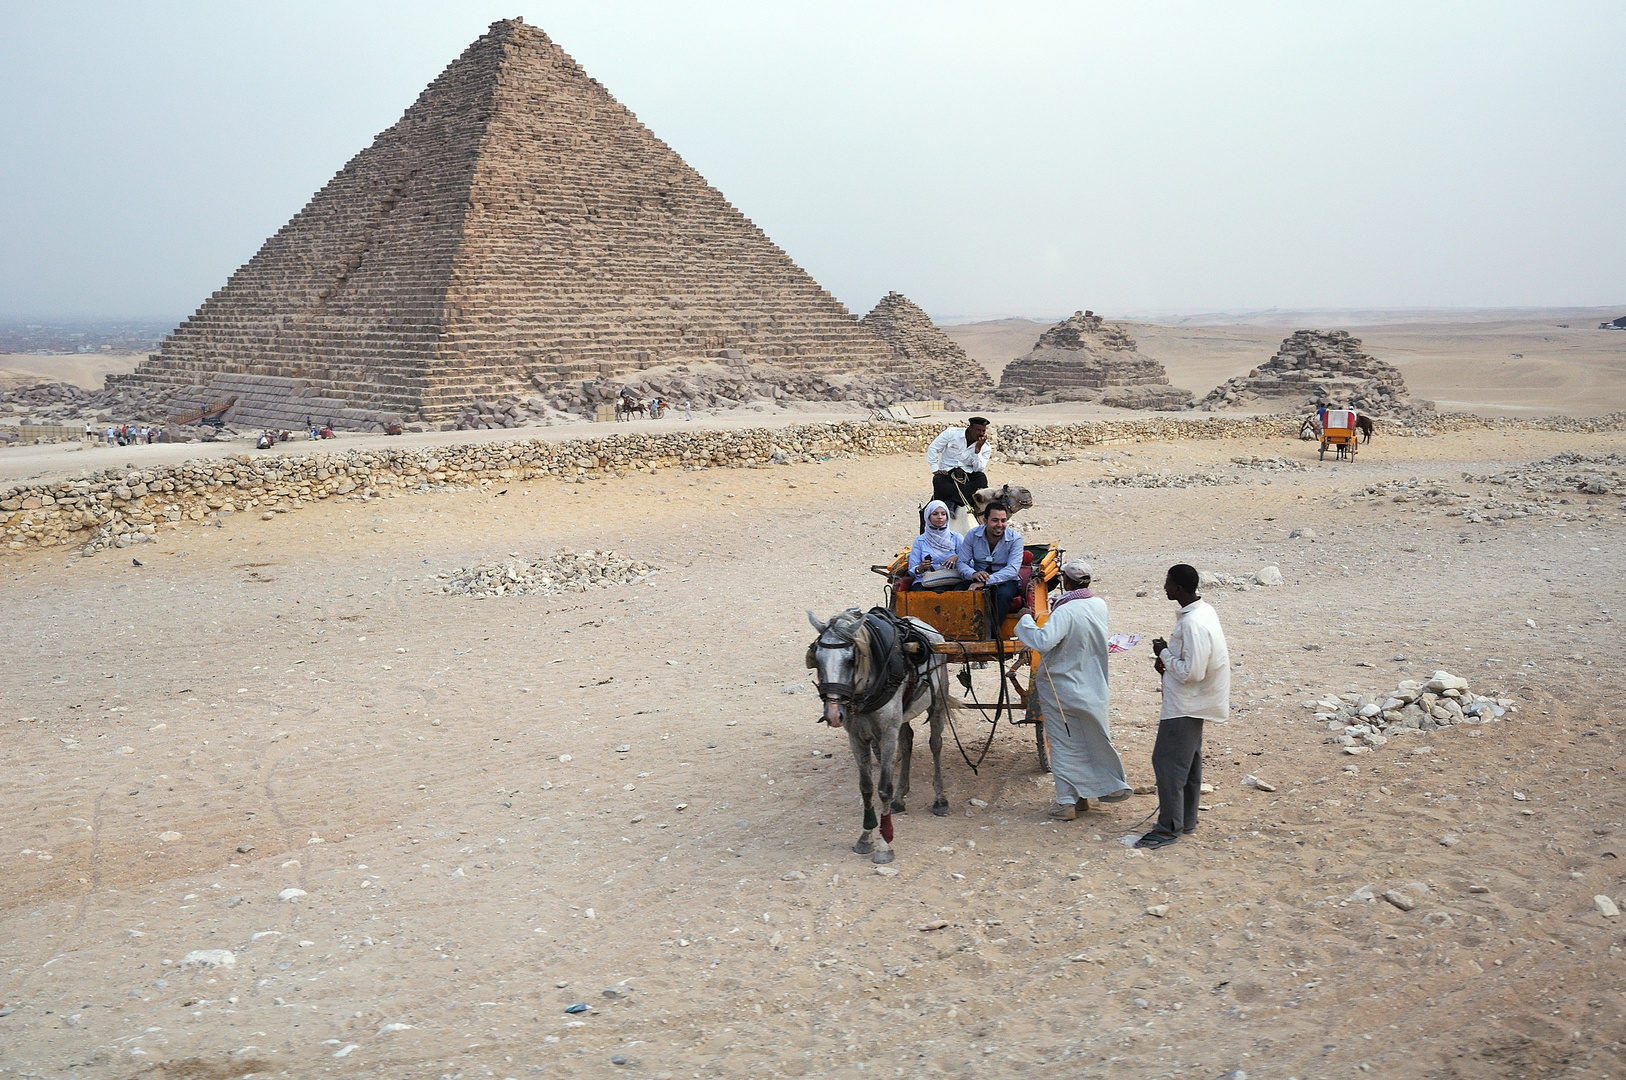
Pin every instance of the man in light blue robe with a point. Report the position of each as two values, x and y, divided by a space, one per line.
1071 681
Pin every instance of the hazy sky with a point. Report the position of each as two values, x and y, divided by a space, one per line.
985 159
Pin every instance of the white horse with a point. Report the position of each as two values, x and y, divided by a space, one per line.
858 658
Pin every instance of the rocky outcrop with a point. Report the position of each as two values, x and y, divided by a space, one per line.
517 225
1084 358
932 360
1320 367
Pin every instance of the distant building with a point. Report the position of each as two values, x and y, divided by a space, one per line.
1618 324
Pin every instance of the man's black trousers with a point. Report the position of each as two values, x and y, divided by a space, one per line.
1177 763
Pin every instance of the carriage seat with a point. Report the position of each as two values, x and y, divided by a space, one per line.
1024 597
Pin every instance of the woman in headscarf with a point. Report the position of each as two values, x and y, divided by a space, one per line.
937 548
1071 681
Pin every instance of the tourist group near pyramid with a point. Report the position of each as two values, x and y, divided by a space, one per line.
519 234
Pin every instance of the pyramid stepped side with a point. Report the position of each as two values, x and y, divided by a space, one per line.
930 356
1084 353
591 249
1315 367
349 294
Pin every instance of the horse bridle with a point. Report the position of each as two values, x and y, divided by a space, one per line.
838 693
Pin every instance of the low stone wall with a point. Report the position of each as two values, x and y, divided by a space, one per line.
118 507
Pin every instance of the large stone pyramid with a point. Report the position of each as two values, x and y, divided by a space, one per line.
933 360
1085 358
518 228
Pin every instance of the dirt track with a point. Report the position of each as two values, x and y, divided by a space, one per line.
286 704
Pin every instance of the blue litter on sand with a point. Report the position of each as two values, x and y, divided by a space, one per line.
579 1007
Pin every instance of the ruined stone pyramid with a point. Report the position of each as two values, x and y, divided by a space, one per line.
516 229
934 361
1085 358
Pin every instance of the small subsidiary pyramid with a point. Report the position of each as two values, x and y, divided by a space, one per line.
1319 367
515 230
1084 358
932 360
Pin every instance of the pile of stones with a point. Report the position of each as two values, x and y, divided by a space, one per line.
1274 464
1320 367
567 572
932 357
706 387
1166 478
63 403
1363 722
1083 358
1568 473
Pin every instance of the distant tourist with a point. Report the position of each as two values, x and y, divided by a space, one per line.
688 409
1196 669
90 434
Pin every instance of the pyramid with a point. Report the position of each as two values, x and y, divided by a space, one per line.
933 360
1319 367
1084 358
516 229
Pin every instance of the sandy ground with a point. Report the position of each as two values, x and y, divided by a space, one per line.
496 809
1464 361
89 370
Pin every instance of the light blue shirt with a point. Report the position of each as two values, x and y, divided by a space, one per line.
1003 563
923 548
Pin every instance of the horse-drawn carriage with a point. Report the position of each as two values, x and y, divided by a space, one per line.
961 616
1339 429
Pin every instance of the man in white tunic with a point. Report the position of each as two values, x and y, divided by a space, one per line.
1071 681
958 459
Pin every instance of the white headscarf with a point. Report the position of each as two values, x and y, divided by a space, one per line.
942 542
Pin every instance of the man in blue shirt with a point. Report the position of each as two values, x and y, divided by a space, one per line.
991 559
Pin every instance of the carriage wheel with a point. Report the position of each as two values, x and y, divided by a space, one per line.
1042 744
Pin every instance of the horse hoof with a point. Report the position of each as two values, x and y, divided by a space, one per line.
898 808
863 847
883 856
940 809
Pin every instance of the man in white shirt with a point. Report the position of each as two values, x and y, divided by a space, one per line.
1196 669
958 459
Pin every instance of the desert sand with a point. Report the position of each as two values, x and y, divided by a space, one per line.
493 810
89 370
1462 360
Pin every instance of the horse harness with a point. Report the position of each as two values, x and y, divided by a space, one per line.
891 667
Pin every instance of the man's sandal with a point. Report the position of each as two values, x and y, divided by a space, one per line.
1153 841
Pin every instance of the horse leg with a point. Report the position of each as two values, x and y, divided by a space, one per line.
886 752
906 749
937 716
866 787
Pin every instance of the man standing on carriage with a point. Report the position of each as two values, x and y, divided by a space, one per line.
958 459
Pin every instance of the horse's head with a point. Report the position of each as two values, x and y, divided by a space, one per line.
838 655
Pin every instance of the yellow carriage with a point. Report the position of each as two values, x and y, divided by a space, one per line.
961 616
1338 432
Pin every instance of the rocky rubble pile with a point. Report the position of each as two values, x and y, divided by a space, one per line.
69 405
1167 478
550 576
1084 358
1273 464
1364 722
1568 473
706 387
932 357
1320 367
